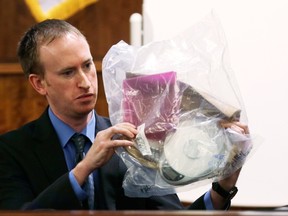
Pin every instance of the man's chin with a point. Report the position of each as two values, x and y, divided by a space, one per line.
85 111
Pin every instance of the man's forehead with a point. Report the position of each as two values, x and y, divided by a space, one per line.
48 39
63 42
66 51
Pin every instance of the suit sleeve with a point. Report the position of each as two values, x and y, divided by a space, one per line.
198 204
172 202
59 195
20 190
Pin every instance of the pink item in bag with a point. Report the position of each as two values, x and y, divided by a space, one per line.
151 100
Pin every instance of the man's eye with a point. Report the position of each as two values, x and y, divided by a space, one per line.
67 73
88 65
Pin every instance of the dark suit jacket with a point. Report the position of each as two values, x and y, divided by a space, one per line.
34 175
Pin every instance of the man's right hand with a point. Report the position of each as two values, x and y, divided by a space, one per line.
103 148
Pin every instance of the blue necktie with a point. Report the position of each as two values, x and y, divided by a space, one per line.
79 142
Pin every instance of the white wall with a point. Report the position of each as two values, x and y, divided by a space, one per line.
257 35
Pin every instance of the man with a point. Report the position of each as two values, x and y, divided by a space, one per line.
37 166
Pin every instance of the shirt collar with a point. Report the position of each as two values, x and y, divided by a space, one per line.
65 132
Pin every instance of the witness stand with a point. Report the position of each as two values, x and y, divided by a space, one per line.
142 213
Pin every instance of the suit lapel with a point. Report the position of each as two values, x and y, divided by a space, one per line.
106 187
48 149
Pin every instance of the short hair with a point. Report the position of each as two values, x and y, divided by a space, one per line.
38 35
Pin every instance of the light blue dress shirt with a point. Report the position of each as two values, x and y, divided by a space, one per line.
208 201
64 133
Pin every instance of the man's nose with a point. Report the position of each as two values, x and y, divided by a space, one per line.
84 82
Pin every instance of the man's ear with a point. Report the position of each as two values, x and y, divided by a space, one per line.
37 83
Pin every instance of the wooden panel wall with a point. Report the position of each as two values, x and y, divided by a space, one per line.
104 23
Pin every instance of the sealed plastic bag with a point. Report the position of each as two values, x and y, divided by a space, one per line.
176 92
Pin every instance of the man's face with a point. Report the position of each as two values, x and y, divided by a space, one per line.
70 79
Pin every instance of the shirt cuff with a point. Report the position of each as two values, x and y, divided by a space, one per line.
208 201
209 204
80 193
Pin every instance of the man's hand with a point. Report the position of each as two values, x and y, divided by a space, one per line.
103 148
228 183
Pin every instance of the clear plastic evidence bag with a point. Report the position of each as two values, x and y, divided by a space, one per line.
177 92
